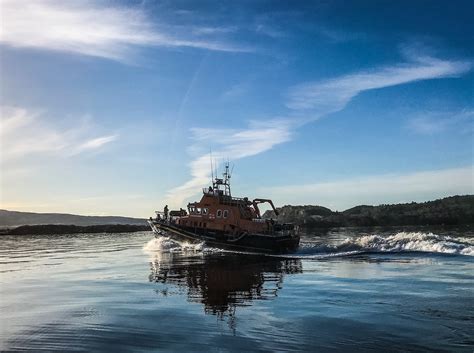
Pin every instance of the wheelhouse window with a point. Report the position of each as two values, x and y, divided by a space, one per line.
225 213
219 214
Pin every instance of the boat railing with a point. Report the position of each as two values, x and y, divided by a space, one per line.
212 192
224 199
234 201
259 220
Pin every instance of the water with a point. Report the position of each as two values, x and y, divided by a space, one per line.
393 290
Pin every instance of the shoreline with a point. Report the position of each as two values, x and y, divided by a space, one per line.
60 229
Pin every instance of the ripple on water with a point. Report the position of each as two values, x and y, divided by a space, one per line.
370 291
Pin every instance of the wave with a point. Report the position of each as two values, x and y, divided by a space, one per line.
166 244
400 242
397 243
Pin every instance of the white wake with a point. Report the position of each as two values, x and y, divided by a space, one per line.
166 244
400 242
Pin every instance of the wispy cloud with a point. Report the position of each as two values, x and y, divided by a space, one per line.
227 143
212 30
435 122
93 28
269 31
389 188
308 102
329 96
236 90
95 143
24 133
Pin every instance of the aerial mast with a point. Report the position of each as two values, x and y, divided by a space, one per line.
212 169
226 176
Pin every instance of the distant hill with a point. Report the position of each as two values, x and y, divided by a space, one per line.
73 229
452 210
15 218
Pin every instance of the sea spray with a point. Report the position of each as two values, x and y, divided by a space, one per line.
410 241
374 243
396 243
166 244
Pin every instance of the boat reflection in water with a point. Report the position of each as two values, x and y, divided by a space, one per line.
222 281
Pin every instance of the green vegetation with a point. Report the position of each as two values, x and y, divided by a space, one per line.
454 210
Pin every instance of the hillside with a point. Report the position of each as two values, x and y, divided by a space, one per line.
73 229
15 218
449 211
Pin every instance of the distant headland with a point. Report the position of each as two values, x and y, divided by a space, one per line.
21 223
16 218
72 229
454 210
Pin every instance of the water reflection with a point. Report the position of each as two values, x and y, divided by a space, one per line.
222 282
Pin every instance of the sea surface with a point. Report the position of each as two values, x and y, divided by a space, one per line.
347 290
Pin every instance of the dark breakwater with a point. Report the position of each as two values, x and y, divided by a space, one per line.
45 229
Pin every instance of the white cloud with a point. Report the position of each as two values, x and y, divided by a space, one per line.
235 91
270 31
329 96
95 143
233 144
212 30
389 188
23 132
435 122
91 28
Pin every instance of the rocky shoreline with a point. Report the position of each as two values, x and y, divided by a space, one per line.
454 210
45 229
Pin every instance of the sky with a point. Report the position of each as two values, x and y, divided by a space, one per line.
113 107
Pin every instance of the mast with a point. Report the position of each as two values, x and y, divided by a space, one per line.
212 169
225 181
226 176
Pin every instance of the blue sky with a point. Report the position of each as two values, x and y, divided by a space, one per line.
112 107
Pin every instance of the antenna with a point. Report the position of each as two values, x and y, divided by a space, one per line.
212 170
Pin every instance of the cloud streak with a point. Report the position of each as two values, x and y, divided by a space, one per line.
95 143
228 143
23 133
432 123
89 28
329 96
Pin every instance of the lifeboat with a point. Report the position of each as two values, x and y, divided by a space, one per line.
223 221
